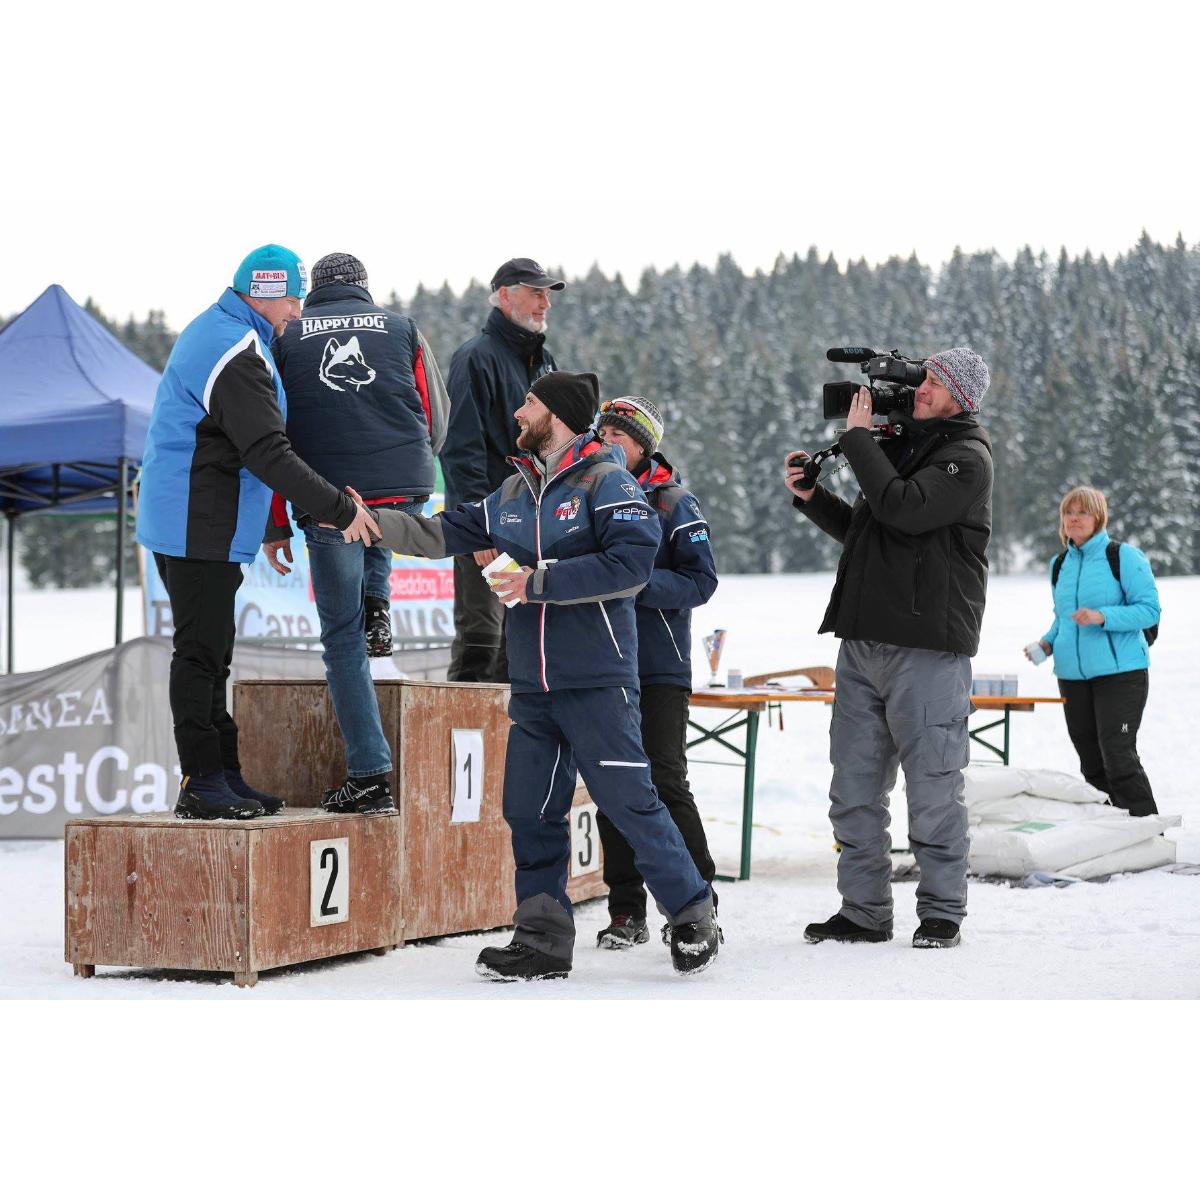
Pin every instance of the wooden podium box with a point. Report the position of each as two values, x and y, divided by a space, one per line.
455 877
239 896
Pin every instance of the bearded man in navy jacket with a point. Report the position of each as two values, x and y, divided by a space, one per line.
585 537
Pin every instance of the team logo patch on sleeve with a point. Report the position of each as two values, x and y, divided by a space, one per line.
568 510
629 489
701 535
631 514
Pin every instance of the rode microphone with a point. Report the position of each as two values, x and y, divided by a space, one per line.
849 354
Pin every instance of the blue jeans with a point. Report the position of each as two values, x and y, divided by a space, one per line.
340 581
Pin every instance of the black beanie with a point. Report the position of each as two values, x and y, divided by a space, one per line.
572 398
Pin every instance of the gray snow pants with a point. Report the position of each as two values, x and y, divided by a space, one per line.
896 706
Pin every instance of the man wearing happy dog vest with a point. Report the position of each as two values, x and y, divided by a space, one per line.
585 538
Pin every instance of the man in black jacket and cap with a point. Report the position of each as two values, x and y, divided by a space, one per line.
489 377
907 603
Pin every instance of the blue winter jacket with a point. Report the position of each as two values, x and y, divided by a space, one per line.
684 577
216 446
591 537
1087 581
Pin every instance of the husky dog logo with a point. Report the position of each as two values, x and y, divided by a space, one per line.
341 365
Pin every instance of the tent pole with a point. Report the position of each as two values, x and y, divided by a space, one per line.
123 487
12 529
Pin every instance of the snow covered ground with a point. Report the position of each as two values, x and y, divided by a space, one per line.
1135 936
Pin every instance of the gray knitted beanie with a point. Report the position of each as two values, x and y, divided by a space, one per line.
964 374
338 268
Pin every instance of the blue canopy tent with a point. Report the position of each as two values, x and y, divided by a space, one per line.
74 409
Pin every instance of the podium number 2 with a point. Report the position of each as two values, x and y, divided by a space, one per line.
329 881
584 840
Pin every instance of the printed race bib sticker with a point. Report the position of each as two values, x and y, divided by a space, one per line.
268 285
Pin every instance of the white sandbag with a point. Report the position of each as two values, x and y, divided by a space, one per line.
1015 851
993 783
1012 810
1145 856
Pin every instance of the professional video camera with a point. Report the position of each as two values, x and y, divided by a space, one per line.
892 380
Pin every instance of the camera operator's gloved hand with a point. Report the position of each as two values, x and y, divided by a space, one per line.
793 474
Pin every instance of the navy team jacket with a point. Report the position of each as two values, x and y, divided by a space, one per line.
591 536
684 577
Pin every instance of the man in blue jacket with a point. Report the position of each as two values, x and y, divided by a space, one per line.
215 450
366 406
684 577
585 538
489 376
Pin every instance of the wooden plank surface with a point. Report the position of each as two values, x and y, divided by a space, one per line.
280 915
143 893
151 891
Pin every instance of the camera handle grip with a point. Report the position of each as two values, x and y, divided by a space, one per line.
812 464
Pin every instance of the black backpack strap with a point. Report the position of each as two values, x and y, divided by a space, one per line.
1113 553
1056 568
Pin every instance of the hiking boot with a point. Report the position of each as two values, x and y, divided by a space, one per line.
371 795
506 964
239 787
209 798
694 945
378 623
842 929
936 933
623 933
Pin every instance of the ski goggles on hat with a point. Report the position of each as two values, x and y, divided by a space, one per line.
624 408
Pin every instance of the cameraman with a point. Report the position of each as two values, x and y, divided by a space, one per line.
907 603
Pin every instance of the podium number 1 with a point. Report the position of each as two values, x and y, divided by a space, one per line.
329 881
466 782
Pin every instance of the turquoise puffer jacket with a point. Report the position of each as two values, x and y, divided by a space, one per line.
1086 581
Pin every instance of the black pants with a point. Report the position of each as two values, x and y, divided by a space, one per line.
1103 716
479 653
664 734
202 595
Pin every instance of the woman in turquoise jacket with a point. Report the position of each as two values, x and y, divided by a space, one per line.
1101 655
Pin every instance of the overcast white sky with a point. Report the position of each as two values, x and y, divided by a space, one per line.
147 148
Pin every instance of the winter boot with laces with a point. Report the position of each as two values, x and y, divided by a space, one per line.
209 798
936 933
506 964
239 787
623 933
694 945
378 622
371 795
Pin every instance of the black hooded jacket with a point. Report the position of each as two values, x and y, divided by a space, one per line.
913 570
489 376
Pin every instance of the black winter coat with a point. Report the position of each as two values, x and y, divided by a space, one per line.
489 376
913 570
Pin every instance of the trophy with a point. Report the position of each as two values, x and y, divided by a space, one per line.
714 643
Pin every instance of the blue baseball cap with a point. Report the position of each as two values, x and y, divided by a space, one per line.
270 273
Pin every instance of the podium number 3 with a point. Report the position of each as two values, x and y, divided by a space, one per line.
329 881
584 856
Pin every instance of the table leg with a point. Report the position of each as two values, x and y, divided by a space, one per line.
748 793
